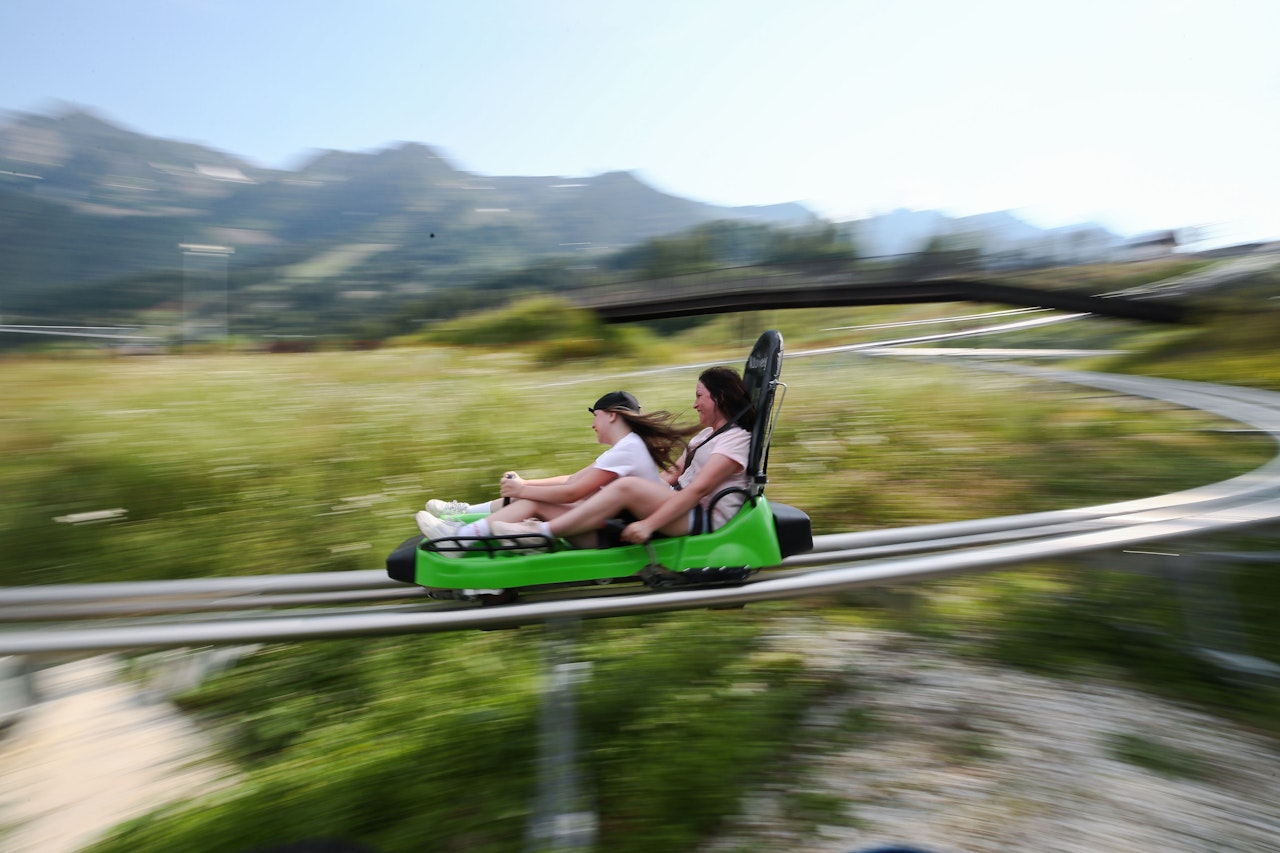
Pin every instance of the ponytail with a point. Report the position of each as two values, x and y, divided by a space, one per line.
664 440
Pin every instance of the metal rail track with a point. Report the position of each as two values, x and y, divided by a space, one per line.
79 618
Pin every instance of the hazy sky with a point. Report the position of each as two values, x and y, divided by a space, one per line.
1139 114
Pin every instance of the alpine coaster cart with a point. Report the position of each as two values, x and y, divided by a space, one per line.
759 535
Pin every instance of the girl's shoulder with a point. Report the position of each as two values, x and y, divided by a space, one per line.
629 443
629 438
734 433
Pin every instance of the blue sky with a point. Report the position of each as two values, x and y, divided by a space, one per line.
1139 114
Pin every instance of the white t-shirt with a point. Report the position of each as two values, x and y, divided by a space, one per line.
629 458
735 443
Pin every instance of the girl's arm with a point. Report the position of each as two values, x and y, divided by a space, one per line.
544 481
559 490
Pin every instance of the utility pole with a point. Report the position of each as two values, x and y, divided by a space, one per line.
205 302
562 821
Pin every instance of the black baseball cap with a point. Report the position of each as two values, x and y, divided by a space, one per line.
616 400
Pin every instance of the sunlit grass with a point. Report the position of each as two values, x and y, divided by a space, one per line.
251 463
243 464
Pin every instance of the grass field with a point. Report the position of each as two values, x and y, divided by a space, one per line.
170 466
223 464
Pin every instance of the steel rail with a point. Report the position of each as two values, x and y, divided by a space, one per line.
852 560
839 578
107 605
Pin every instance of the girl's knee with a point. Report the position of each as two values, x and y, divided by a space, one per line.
626 486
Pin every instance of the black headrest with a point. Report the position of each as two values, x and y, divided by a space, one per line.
760 375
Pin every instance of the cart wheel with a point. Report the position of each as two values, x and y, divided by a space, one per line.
491 599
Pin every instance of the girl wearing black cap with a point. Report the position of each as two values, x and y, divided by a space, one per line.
716 460
640 446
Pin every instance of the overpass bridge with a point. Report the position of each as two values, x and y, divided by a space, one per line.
816 286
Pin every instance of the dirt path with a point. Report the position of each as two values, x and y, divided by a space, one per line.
94 751
948 755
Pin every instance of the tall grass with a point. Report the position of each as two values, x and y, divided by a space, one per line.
250 464
243 464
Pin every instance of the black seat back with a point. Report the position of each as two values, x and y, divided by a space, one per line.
760 375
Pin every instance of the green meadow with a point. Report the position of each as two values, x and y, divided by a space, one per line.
127 468
214 464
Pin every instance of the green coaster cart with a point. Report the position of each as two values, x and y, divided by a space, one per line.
758 536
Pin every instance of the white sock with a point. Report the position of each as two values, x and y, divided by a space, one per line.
479 527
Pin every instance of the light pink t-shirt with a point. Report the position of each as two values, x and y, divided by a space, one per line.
735 443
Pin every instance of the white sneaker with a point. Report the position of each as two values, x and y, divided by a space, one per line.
434 527
440 508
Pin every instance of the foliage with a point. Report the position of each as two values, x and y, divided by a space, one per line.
555 331
717 244
672 256
244 463
49 251
875 451
817 244
1113 277
264 464
1111 615
728 244
1232 346
535 319
369 740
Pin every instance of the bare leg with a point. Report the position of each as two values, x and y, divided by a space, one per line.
632 494
520 509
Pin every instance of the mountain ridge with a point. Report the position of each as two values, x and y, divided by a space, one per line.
95 214
97 167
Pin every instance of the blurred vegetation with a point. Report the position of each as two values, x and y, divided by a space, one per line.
1161 758
554 331
228 461
1234 340
313 290
242 463
431 743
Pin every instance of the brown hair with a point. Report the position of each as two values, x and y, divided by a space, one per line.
660 435
730 395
